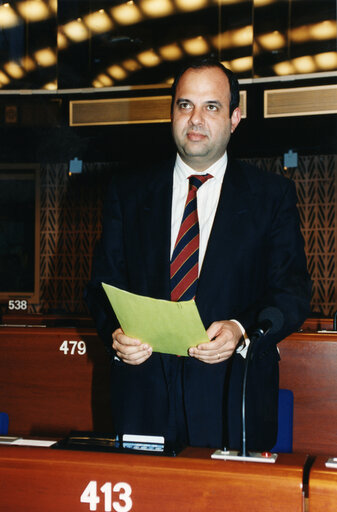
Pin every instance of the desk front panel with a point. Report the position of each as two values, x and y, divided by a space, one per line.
308 367
323 486
47 390
53 380
37 479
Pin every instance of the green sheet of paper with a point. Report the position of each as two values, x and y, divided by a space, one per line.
168 327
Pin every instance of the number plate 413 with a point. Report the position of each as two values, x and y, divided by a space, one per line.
120 503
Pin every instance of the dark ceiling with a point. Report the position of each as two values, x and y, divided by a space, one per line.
97 43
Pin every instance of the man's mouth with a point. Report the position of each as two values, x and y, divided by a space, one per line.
195 136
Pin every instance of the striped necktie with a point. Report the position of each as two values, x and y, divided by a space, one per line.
184 262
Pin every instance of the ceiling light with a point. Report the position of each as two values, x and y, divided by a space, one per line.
131 65
271 41
317 31
284 68
50 86
327 60
261 3
126 14
196 46
117 72
28 64
8 17
62 41
156 8
76 30
324 30
105 80
45 57
97 84
305 64
14 70
234 38
53 5
171 52
149 58
33 10
191 5
4 80
241 64
98 22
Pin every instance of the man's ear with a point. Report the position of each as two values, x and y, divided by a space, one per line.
235 119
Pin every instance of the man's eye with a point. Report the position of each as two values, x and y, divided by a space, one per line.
213 108
184 105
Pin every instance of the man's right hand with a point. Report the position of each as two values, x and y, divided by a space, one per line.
130 350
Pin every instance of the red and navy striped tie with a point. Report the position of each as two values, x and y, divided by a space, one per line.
185 257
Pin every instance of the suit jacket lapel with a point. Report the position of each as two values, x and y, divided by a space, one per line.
234 202
157 230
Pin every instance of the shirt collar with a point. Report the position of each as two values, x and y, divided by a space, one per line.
217 170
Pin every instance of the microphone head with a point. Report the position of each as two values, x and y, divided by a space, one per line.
274 316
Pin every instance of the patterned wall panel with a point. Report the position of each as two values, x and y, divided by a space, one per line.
71 224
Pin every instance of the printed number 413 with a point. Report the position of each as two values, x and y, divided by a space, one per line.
124 504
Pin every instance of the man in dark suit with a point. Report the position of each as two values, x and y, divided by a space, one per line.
250 257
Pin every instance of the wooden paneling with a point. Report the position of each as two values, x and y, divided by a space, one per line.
47 392
154 109
300 101
53 481
309 368
322 487
142 110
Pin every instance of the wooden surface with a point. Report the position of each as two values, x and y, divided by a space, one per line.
308 367
39 479
322 487
47 392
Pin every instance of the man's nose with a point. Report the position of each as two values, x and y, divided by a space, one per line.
196 117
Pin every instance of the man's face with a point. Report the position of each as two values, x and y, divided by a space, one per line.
201 124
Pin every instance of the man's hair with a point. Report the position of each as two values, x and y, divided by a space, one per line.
210 62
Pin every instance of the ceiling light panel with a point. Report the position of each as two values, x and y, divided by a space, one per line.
98 22
8 17
127 14
156 8
34 10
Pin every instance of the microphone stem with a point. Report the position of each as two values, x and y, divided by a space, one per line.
253 338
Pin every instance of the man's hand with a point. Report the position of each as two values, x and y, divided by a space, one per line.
130 350
224 338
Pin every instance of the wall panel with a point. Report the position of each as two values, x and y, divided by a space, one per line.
71 223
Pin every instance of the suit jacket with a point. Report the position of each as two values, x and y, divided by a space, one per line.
254 259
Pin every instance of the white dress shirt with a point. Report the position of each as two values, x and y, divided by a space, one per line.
207 200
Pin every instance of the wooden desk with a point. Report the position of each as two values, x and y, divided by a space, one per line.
40 479
48 391
317 324
322 487
308 367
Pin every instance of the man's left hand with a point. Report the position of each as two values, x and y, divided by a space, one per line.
224 336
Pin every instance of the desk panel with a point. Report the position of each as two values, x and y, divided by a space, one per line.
53 380
308 367
46 391
322 487
52 481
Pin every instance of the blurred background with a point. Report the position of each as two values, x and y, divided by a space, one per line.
85 93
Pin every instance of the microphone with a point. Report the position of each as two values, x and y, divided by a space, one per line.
270 320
